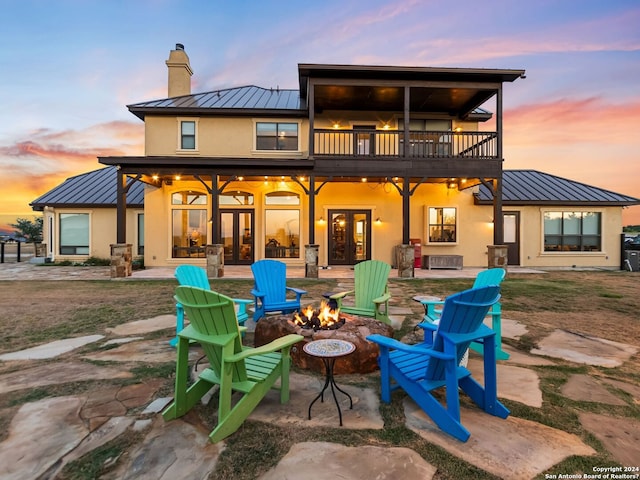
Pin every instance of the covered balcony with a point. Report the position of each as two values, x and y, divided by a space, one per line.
391 144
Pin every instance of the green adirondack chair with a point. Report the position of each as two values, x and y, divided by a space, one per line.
492 276
422 368
251 372
371 294
192 276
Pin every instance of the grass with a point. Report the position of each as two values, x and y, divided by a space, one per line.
602 304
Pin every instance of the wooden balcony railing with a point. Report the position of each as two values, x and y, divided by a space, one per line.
390 143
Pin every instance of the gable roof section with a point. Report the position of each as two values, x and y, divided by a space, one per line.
231 101
96 189
531 187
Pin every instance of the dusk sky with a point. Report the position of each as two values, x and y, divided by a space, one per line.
69 68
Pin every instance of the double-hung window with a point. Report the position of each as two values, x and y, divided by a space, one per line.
276 136
187 135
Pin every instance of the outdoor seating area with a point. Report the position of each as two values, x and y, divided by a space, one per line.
183 425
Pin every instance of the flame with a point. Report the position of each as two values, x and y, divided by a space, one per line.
325 315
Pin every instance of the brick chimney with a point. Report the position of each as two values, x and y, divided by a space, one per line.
179 72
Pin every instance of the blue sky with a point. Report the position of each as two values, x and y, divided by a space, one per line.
69 68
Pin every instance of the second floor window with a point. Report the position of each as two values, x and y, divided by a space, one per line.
188 135
276 136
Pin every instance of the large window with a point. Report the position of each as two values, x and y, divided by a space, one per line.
572 232
74 234
276 136
442 226
189 224
188 135
282 225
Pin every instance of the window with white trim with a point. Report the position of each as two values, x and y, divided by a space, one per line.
189 224
276 136
282 225
187 135
74 234
442 225
568 231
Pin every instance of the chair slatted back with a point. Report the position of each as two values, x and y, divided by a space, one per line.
270 277
492 276
370 279
463 312
192 276
213 314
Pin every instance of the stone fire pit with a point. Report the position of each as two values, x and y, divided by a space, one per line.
354 330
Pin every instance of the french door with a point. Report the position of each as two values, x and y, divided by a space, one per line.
511 222
236 234
349 236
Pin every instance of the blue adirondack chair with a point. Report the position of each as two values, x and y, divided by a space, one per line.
192 276
492 276
419 369
270 289
371 294
245 373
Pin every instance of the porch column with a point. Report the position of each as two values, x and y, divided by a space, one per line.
312 210
215 251
406 195
407 103
121 207
498 221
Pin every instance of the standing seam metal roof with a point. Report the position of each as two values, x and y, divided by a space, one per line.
95 189
248 97
98 189
532 186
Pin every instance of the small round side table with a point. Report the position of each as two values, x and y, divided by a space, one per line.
328 350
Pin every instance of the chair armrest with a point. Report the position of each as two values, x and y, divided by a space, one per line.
219 340
274 346
432 327
383 298
297 291
336 296
257 293
387 342
242 301
482 332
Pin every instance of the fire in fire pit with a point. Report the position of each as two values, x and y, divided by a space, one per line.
325 318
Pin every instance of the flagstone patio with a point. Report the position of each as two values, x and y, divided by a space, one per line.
45 434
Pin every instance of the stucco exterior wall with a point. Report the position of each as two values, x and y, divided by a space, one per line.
532 252
232 137
102 231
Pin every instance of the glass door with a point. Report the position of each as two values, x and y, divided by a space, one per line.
349 236
236 234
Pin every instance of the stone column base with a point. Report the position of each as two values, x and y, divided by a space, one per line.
311 261
215 260
497 256
405 261
121 260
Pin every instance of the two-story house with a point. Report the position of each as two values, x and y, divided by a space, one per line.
356 162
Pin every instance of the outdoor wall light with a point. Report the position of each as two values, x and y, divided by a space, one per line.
378 221
321 220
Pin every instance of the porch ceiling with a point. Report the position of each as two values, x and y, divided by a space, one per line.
458 102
